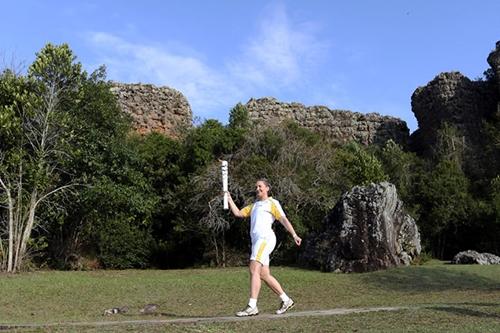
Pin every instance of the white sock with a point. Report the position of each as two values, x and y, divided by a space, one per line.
252 302
284 297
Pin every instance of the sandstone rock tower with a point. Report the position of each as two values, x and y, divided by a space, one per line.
154 109
455 99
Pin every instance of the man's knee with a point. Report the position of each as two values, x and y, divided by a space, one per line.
255 267
265 274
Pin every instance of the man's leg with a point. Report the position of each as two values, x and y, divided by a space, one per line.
265 274
255 272
286 302
251 310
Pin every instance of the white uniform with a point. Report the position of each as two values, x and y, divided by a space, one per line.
262 215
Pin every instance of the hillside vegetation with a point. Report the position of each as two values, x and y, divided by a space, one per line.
80 190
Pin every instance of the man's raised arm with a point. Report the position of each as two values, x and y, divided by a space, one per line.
236 211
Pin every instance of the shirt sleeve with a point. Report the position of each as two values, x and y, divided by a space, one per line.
276 209
245 212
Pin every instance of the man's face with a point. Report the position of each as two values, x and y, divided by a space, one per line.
261 190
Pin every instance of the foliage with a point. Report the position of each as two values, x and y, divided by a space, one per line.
239 117
206 141
450 145
495 194
302 174
122 245
402 169
36 109
178 241
101 159
359 166
443 193
423 258
104 192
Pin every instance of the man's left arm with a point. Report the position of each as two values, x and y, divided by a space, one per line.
288 226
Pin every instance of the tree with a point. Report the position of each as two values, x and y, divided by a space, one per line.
204 142
450 145
495 194
177 239
239 117
358 166
95 140
442 193
401 167
36 114
445 204
300 167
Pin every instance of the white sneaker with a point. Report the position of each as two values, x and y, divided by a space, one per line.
248 311
285 306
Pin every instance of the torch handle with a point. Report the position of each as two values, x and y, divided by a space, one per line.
225 183
226 203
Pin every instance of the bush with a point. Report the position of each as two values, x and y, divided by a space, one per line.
122 244
358 166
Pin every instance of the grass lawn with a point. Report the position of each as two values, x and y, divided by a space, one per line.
442 297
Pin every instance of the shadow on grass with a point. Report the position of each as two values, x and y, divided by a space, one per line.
174 315
464 311
432 278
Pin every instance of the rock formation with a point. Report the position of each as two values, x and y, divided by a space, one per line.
154 109
494 61
367 230
454 99
341 126
473 257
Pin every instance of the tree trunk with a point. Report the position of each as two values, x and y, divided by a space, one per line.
441 245
223 249
10 228
216 248
27 230
11 233
19 223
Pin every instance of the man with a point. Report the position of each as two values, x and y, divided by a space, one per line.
262 215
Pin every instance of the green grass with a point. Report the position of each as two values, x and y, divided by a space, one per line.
443 297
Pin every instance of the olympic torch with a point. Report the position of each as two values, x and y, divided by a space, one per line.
224 183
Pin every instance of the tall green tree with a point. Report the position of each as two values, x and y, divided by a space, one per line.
445 204
35 111
109 219
442 193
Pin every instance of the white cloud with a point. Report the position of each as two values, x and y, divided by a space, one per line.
204 87
277 57
280 54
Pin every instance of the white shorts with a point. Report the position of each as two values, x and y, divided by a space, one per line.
262 248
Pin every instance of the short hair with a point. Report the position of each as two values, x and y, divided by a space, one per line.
266 182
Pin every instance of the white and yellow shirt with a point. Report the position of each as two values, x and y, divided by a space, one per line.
262 215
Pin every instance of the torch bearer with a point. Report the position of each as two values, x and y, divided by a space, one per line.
224 183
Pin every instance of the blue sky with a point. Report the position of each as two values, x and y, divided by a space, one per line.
364 56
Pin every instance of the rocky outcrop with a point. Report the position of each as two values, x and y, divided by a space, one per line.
473 257
367 230
454 99
494 61
154 109
341 126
